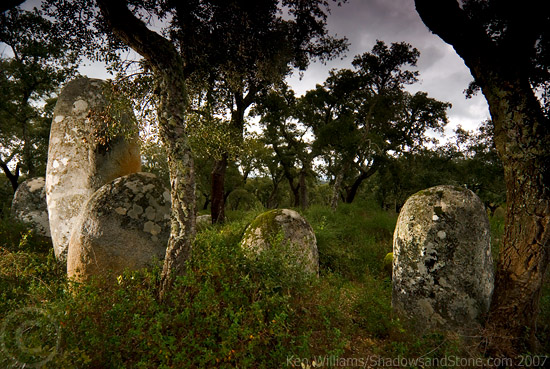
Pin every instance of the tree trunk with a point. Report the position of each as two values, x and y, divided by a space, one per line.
336 190
182 178
206 202
168 68
295 192
351 192
12 177
525 254
217 208
27 150
304 201
271 201
522 133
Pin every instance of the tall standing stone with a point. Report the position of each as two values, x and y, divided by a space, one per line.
29 205
91 143
443 268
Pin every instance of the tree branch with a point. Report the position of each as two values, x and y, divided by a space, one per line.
10 4
134 32
446 19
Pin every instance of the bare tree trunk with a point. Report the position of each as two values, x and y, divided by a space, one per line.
217 208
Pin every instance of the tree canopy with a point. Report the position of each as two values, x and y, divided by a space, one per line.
34 64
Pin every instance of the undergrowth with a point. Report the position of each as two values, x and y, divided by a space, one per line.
226 311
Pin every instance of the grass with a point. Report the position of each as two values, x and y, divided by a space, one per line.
226 311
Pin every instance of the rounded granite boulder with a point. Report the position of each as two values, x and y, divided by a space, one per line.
442 265
29 205
287 231
124 225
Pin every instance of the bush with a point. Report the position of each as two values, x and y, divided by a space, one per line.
226 311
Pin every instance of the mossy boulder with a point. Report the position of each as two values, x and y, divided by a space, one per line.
29 205
284 230
124 225
443 269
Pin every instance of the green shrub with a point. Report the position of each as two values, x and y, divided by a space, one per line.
226 311
354 240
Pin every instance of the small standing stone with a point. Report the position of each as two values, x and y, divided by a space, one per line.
29 205
442 264
124 225
280 228
86 150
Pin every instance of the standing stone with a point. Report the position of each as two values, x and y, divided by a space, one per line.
285 229
29 205
443 268
124 225
92 142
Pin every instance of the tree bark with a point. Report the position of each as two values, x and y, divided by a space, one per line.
304 200
522 133
169 71
295 192
351 192
12 177
336 190
217 208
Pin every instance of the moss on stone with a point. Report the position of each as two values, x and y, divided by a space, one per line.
266 223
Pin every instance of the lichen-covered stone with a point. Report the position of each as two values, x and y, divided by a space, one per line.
203 221
124 225
442 264
283 228
86 150
29 205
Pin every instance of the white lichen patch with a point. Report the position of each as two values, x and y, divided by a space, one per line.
35 184
150 213
120 210
135 212
80 106
151 227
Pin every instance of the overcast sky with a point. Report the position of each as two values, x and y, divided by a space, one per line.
443 74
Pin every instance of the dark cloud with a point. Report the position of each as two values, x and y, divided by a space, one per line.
442 72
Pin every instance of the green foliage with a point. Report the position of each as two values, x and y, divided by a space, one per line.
34 64
226 311
354 240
